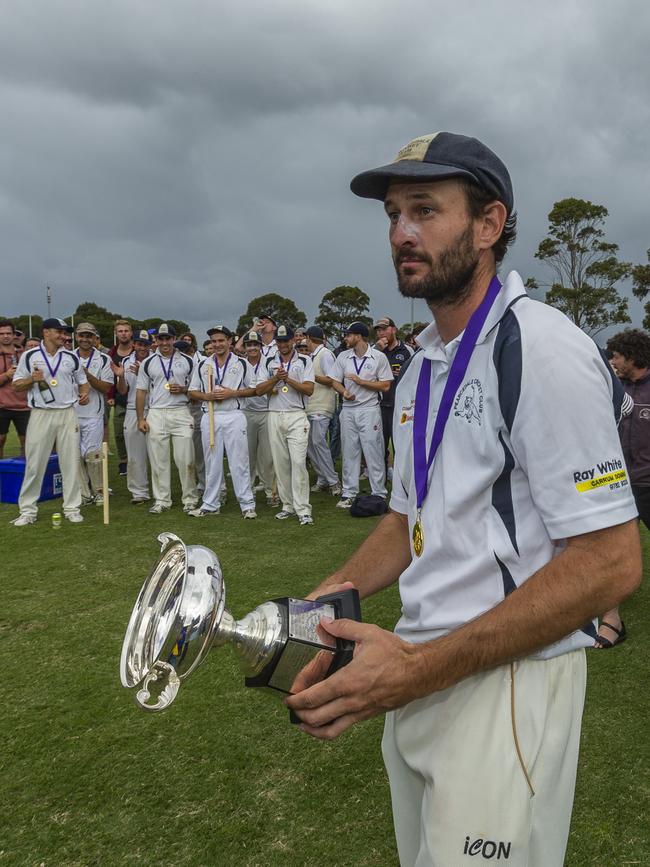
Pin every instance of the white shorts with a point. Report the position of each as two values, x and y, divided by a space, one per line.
485 771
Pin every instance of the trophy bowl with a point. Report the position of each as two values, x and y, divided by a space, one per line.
180 614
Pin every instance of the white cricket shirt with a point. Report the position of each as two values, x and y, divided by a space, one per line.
99 365
69 376
131 369
152 378
233 374
530 457
373 366
299 369
259 402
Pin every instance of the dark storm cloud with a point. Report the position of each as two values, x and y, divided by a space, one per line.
182 158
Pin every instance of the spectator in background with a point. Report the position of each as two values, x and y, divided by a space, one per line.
196 411
31 342
119 352
13 404
208 348
630 358
397 353
19 340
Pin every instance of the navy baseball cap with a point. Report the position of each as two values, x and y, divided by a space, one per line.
142 336
165 330
358 328
61 324
284 332
251 337
437 157
315 331
219 329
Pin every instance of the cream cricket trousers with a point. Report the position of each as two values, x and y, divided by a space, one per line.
289 435
46 427
486 770
260 459
91 435
137 480
361 431
319 452
175 425
229 435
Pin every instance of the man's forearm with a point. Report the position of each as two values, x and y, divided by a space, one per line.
378 562
140 396
306 388
377 385
564 595
22 384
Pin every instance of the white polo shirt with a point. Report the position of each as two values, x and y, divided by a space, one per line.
259 402
269 349
299 369
99 364
131 378
530 457
234 374
68 377
372 366
152 378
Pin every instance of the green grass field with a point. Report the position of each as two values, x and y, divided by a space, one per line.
222 778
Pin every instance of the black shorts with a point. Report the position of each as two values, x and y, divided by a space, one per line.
19 417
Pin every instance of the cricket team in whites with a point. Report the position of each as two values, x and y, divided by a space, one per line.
263 400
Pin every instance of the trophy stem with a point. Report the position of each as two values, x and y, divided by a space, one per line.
255 637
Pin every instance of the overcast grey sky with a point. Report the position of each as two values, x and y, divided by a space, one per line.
179 158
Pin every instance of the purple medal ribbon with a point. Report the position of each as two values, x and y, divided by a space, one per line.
90 358
290 360
167 372
359 367
53 370
421 462
221 378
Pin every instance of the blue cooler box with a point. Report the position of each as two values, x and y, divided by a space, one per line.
12 471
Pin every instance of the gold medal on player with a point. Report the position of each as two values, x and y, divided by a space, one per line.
418 536
53 382
167 386
285 389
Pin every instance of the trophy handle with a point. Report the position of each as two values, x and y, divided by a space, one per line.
160 671
166 538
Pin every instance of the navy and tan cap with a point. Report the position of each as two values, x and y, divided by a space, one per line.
436 157
142 336
219 329
358 328
59 324
284 332
251 337
165 330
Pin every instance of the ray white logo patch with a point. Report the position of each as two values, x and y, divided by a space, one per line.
608 474
469 401
407 413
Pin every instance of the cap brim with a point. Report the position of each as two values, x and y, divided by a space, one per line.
373 184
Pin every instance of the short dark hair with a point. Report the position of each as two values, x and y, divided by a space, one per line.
6 323
477 200
633 344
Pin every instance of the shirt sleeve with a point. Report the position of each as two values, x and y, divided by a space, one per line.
398 495
564 435
143 382
338 369
106 374
22 370
196 383
80 375
384 370
308 372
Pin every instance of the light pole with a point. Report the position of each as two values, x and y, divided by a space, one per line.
49 302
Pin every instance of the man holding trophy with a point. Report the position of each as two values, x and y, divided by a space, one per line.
504 555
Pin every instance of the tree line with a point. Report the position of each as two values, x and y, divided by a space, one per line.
584 267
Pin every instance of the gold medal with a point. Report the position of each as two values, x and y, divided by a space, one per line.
285 389
167 386
53 382
418 537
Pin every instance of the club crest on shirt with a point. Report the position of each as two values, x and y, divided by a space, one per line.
469 401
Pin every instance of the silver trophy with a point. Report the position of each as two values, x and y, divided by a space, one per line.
180 614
